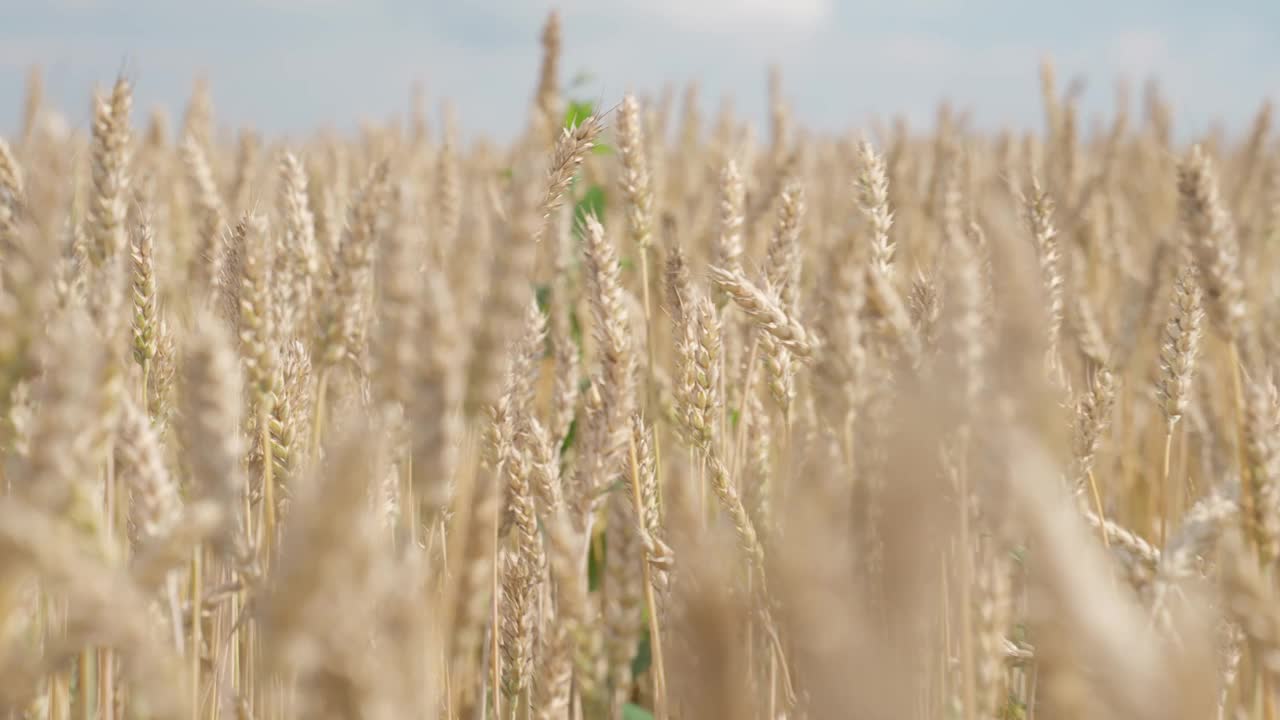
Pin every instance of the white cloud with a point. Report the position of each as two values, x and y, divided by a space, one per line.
712 15
718 16
300 5
1139 52
74 4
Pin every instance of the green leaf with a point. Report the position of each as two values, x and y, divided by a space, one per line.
1014 709
614 486
734 414
569 436
592 203
602 149
595 563
543 294
635 712
644 655
577 111
575 328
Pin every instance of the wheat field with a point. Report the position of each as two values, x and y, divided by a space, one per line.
641 415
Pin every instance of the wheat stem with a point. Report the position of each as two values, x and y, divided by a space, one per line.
197 630
747 384
1097 503
966 583
1164 484
84 684
1248 491
318 416
495 656
655 631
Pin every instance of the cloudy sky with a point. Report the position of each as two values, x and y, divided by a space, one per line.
294 65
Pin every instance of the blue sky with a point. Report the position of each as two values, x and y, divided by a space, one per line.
294 65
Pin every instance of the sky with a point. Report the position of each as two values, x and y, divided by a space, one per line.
291 66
